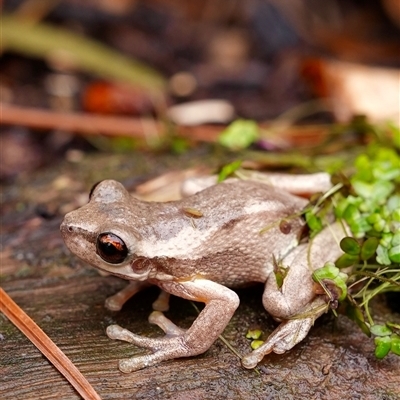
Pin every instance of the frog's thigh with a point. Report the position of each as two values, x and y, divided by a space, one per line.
295 303
297 289
220 304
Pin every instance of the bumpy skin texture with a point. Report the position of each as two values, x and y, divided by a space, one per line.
196 247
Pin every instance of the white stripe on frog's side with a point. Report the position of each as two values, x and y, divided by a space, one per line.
183 245
188 241
262 206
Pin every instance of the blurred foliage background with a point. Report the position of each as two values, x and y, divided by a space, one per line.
306 62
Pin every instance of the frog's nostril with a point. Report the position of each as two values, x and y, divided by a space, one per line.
65 227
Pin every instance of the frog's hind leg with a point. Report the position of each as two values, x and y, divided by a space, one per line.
116 301
295 301
288 333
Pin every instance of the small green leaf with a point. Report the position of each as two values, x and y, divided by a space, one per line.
341 207
228 169
351 213
255 344
395 347
346 260
350 246
374 218
394 202
253 334
314 222
354 313
382 346
386 239
330 277
396 239
380 225
342 285
363 189
279 278
328 271
382 190
396 215
239 134
359 227
394 254
382 255
381 330
368 248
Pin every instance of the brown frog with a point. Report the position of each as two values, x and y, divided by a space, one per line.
227 235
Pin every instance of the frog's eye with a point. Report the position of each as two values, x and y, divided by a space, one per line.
111 248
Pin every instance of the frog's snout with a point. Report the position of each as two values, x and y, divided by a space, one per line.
66 228
70 231
75 227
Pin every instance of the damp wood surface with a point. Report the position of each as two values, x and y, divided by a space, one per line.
65 297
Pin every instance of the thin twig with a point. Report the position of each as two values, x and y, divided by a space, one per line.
89 124
143 128
48 348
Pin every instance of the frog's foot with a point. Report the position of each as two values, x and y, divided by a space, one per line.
159 319
115 302
220 304
287 334
156 345
163 348
162 302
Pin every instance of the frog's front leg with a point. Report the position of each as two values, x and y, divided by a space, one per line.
220 304
116 301
295 303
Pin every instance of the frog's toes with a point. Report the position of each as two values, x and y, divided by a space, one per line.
128 365
116 332
113 303
159 319
250 361
282 339
119 333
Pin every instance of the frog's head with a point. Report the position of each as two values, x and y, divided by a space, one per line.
99 232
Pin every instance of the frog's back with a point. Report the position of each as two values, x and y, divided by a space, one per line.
237 199
217 232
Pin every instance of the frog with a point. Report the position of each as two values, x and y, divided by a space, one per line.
201 248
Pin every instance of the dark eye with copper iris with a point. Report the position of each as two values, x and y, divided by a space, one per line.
111 248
